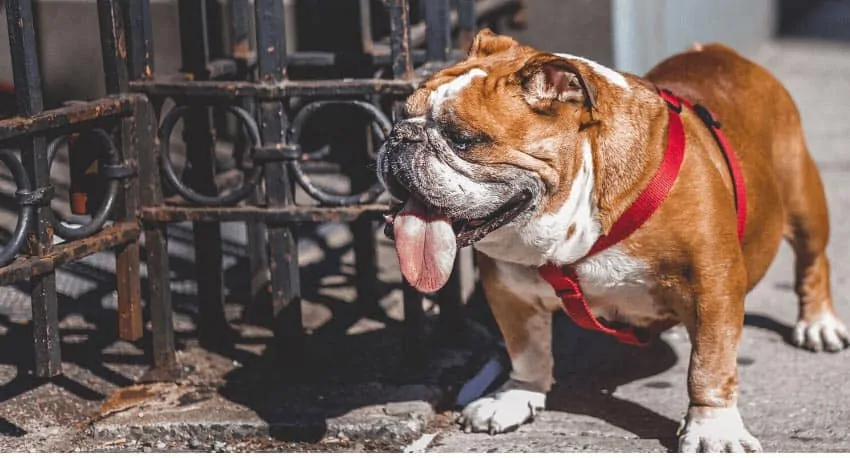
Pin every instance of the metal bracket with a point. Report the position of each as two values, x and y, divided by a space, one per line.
276 153
117 171
39 197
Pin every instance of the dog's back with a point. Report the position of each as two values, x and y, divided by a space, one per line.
742 94
784 189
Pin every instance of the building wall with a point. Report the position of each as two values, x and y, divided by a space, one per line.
630 35
579 27
69 46
647 31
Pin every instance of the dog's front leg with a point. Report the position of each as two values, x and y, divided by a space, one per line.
527 330
713 423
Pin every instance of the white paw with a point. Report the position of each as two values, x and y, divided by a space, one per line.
715 430
502 411
824 333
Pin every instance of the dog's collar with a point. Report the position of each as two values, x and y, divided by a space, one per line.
564 279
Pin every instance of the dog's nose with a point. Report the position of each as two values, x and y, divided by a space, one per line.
408 132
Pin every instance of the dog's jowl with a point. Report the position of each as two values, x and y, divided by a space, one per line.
631 203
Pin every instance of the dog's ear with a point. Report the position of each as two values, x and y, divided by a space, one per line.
487 43
548 79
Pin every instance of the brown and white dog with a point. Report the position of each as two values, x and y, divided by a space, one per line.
534 156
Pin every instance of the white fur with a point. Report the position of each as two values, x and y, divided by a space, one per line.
718 429
416 120
825 332
544 239
458 187
610 75
450 90
616 286
503 410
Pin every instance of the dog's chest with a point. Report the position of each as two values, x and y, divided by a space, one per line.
617 287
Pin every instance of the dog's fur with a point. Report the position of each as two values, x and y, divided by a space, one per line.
585 140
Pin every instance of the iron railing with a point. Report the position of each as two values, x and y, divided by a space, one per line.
137 191
253 84
114 133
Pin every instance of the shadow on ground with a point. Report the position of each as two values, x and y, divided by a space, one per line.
352 380
590 367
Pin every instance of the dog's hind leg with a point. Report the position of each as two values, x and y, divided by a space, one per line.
807 230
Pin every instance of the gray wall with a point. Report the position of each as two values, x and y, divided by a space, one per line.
579 27
634 35
647 31
69 46
631 35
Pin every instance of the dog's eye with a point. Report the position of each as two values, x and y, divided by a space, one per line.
462 141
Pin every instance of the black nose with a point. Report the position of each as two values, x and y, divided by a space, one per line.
408 132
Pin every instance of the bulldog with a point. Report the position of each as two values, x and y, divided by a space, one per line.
619 198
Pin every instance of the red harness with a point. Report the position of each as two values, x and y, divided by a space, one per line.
565 280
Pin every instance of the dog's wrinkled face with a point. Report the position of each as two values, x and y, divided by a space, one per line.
487 143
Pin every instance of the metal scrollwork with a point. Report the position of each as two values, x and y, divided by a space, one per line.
109 166
382 127
26 213
252 176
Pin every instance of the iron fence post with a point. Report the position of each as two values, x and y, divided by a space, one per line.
27 77
199 138
113 39
283 247
257 307
439 30
140 58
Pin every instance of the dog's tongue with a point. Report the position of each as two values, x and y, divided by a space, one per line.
426 246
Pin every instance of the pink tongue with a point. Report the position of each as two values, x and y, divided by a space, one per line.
426 246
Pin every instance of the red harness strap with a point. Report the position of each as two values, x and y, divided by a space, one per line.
564 280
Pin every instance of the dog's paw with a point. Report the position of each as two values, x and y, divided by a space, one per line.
715 430
502 411
826 332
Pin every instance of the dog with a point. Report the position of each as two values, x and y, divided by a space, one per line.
632 203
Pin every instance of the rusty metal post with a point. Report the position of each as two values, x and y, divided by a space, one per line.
139 39
165 365
140 57
466 24
283 248
22 41
199 137
439 30
402 62
113 39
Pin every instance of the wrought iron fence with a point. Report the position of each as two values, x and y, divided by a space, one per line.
367 59
114 133
372 74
